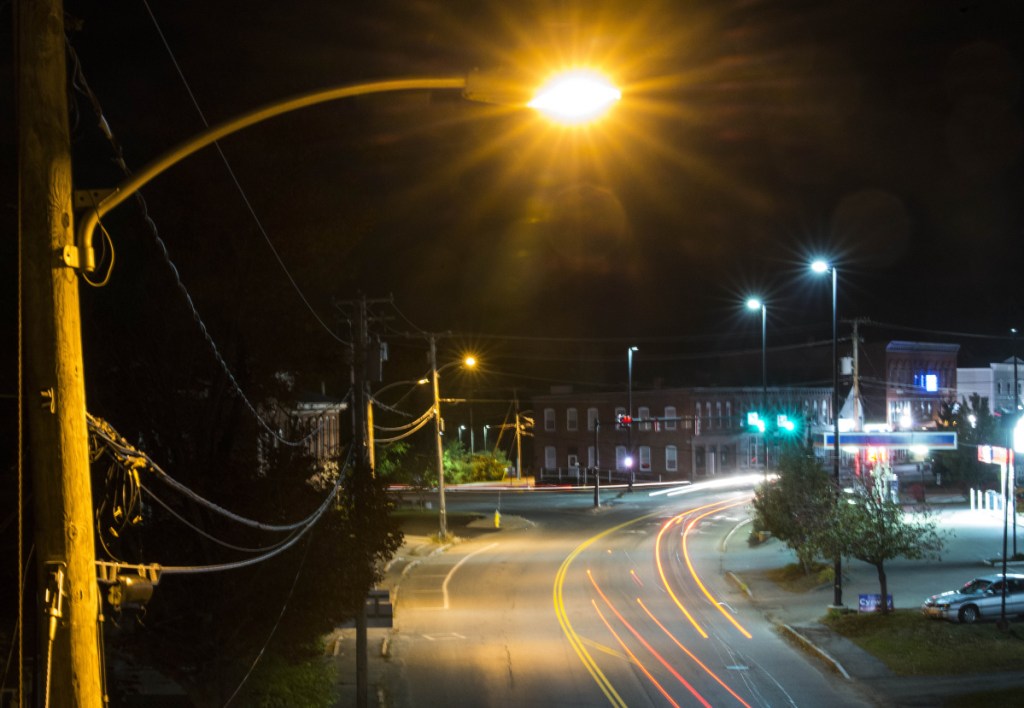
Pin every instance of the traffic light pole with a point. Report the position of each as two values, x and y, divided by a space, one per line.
54 374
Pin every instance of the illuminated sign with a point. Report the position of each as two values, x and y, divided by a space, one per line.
994 455
907 439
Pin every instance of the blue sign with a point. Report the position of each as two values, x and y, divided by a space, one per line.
910 439
873 602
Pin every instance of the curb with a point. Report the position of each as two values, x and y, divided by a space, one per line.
793 633
824 655
740 584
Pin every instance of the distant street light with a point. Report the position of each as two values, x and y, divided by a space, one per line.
468 362
820 266
462 429
757 304
629 413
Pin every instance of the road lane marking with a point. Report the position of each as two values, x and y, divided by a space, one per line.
448 577
575 641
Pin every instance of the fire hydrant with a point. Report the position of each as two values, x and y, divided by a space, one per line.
497 519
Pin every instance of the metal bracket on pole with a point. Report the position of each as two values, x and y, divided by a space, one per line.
109 572
88 198
132 588
55 593
72 255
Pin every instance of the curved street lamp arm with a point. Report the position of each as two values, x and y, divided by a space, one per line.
91 217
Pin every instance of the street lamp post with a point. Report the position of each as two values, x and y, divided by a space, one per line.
820 266
439 430
1013 459
629 412
588 95
758 304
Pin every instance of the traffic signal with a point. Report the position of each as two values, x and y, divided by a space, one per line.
785 425
754 420
624 421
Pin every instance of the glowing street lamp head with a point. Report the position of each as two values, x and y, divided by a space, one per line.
469 361
576 97
820 266
754 303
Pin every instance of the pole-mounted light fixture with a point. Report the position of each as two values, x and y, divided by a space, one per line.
571 101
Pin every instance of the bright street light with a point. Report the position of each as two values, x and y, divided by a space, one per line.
820 266
576 96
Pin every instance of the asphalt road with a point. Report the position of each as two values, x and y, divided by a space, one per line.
626 605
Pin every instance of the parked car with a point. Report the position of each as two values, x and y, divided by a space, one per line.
979 598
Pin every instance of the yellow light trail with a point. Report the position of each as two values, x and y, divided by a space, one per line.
693 571
563 619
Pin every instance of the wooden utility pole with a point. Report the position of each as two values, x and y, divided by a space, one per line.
54 380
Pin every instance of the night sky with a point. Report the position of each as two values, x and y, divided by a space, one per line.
751 136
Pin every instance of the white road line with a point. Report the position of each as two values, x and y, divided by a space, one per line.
447 578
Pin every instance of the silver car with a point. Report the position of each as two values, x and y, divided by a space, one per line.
979 598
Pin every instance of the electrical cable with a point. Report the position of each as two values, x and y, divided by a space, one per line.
23 574
238 185
426 416
221 567
273 630
201 532
113 257
81 84
104 431
384 441
20 638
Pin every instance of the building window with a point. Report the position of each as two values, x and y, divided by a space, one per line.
645 458
620 457
591 462
571 419
591 418
728 414
550 459
671 458
718 414
670 415
644 413
696 419
549 419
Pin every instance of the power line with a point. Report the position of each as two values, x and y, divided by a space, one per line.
82 85
231 173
